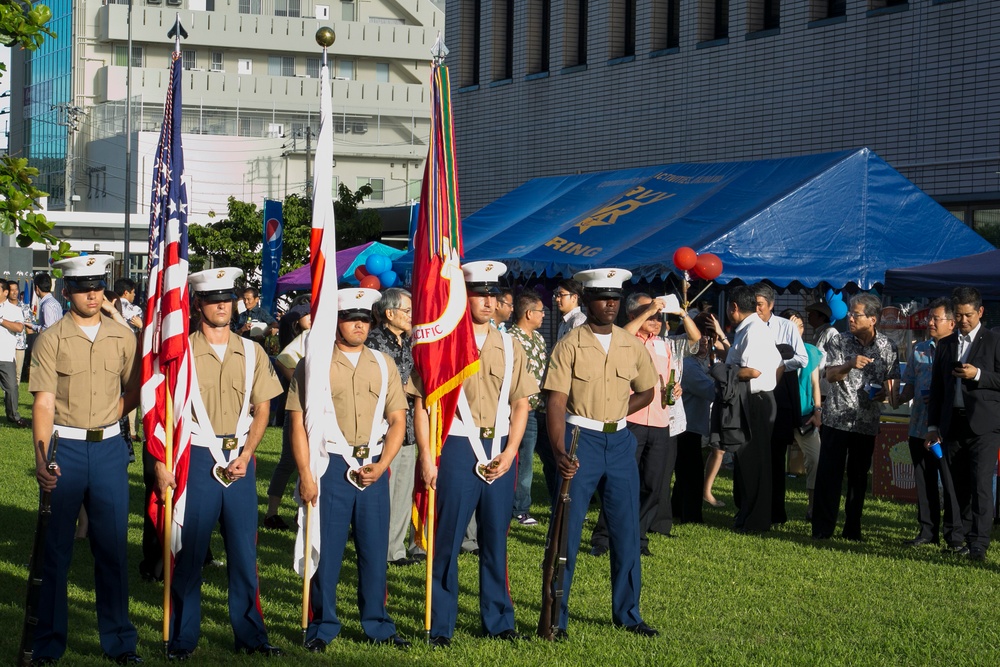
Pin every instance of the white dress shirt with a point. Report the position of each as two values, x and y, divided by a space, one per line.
753 347
786 333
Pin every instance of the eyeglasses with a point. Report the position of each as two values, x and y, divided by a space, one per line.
855 316
560 295
942 319
536 310
508 304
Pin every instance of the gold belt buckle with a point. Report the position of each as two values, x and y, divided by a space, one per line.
609 427
229 443
487 433
361 452
95 434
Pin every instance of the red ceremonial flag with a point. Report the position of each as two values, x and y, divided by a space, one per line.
444 346
166 350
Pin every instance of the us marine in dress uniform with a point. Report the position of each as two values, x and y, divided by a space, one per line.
471 475
84 376
363 434
231 376
591 372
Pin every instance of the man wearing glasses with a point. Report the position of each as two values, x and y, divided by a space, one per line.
962 414
863 369
504 309
567 299
917 387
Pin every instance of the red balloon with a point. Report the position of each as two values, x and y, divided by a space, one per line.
708 266
685 258
361 272
371 282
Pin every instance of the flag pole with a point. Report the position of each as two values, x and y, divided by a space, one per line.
429 524
168 520
306 579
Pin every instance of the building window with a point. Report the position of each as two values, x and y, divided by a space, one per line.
713 20
881 4
539 26
763 15
249 7
121 55
471 22
382 72
377 185
345 69
287 8
575 44
244 66
503 43
281 65
189 59
836 8
666 25
622 34
217 61
347 12
312 68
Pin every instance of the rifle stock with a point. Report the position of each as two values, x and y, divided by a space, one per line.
556 549
36 563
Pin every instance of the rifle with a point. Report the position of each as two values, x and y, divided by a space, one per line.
36 564
556 547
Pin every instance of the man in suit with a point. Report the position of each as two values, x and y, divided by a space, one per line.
963 414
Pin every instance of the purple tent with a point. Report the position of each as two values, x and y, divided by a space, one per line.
347 261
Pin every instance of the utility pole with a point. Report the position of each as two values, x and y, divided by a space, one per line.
72 117
126 260
309 183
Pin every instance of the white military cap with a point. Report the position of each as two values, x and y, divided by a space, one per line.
603 282
86 272
215 284
483 277
356 301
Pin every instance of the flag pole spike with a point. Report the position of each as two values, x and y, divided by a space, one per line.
439 51
177 32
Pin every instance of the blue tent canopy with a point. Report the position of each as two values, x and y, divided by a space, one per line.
841 217
981 271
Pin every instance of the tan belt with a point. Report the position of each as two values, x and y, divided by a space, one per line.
88 434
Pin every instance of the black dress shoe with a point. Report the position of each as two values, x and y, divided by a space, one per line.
265 649
403 562
598 550
395 641
20 422
315 645
43 661
959 550
179 654
127 658
977 555
509 636
642 629
919 541
440 642
420 558
561 635
645 551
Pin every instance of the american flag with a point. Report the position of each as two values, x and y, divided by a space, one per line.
166 351
319 411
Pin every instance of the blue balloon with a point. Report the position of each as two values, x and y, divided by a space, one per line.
388 279
838 310
837 297
377 264
829 295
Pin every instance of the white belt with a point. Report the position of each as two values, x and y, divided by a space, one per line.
594 425
88 434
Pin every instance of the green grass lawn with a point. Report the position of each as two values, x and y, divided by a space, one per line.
717 598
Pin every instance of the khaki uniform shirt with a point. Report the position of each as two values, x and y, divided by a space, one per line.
598 384
355 393
483 388
88 379
223 384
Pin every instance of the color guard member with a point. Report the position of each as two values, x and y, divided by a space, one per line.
232 386
471 475
591 372
84 376
364 433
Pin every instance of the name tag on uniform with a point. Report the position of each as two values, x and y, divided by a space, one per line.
361 452
229 443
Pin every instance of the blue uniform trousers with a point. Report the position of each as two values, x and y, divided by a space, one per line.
607 464
460 493
234 508
343 505
94 475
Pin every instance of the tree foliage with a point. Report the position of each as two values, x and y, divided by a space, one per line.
238 240
22 25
